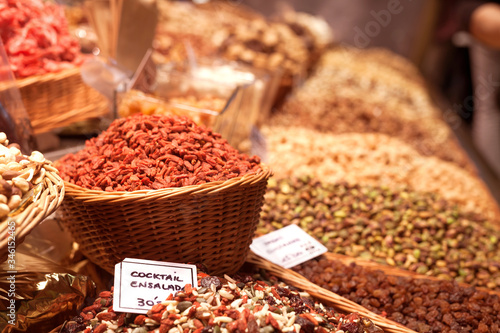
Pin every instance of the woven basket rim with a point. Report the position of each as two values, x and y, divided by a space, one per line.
48 201
40 78
80 193
21 82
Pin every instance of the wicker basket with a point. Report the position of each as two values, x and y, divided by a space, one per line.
46 202
212 224
59 99
325 296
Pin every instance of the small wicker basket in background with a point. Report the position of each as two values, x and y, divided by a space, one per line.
212 224
34 211
56 100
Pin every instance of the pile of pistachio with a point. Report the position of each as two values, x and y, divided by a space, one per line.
419 232
18 175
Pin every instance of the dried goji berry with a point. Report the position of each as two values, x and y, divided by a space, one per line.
101 328
139 320
152 152
106 316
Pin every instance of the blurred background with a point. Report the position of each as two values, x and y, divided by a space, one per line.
462 72
398 95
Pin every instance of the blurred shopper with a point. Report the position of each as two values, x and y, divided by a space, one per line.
484 26
484 23
471 80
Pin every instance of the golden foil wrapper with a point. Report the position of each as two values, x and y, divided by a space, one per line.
46 294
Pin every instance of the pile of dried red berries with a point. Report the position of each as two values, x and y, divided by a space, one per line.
144 152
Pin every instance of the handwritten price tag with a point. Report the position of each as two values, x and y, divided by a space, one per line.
140 284
287 247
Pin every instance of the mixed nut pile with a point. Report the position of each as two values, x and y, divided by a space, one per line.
266 45
171 47
241 34
373 159
18 174
422 305
314 30
340 114
243 304
373 90
418 232
382 59
144 152
351 72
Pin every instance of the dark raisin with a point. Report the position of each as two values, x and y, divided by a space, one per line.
283 291
350 327
397 317
252 326
270 300
73 327
305 325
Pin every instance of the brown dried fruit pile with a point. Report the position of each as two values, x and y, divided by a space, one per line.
420 304
151 152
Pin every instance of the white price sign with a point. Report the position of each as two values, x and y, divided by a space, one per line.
288 246
140 284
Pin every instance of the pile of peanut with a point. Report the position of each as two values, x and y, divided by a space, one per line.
18 174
